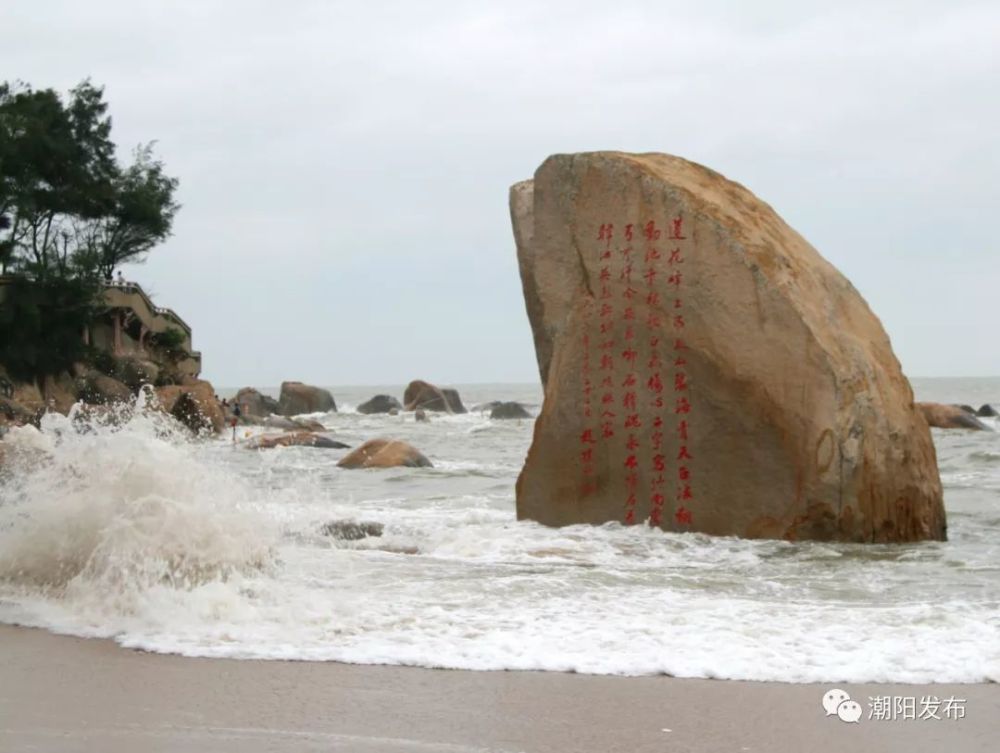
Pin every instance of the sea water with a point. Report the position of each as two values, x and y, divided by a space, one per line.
137 533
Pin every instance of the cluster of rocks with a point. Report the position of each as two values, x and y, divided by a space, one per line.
191 401
296 398
421 397
286 414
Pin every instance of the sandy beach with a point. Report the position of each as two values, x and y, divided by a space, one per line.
61 693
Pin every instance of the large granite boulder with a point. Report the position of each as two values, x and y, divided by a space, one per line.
134 372
99 389
380 404
13 413
705 369
297 398
59 391
385 453
194 404
26 402
421 394
188 410
950 417
254 403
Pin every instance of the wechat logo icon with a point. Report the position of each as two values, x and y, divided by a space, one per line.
838 703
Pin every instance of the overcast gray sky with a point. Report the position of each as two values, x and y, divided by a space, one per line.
344 165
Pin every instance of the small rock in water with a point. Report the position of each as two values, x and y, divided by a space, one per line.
351 530
509 410
967 409
380 404
292 424
420 415
296 439
385 453
486 407
987 411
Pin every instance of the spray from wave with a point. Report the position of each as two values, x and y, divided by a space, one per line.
96 510
122 526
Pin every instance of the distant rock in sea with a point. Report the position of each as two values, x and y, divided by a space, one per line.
951 417
295 439
297 398
705 369
380 404
509 410
987 411
420 394
292 424
254 403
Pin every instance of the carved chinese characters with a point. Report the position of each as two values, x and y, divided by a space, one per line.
704 368
633 330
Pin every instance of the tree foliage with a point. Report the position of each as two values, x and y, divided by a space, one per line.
70 213
68 207
170 339
42 324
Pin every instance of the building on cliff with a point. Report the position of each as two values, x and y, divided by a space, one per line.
131 322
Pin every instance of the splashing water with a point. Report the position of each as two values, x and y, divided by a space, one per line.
102 509
128 528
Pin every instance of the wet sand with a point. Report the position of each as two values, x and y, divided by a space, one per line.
60 693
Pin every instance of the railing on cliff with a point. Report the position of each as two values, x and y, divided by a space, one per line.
134 287
128 288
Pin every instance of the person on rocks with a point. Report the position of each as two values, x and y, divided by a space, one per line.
236 417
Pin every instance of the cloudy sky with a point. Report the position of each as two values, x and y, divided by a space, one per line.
344 165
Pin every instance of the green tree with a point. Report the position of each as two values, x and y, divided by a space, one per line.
42 324
141 216
57 170
68 207
69 214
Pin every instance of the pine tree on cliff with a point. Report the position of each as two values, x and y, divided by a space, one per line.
69 214
70 208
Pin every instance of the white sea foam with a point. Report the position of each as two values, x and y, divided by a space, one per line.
207 549
103 516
